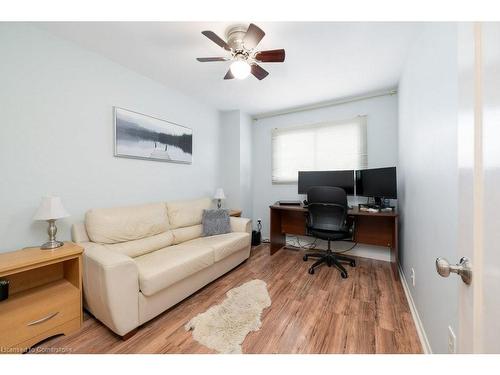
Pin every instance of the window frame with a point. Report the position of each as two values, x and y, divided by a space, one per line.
362 121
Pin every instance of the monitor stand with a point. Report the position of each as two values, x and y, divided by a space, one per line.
382 202
378 204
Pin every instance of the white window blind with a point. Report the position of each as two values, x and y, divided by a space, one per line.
320 147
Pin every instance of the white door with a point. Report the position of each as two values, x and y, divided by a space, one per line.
479 178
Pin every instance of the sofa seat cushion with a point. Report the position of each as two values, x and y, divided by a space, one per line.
187 233
143 246
162 268
223 244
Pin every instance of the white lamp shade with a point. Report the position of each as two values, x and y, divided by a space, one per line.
50 208
219 194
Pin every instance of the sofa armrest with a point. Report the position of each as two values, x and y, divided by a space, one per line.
241 224
79 233
111 287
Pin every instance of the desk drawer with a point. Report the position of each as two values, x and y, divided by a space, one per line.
30 313
377 231
293 222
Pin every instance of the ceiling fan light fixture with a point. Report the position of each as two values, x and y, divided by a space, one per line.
241 44
240 69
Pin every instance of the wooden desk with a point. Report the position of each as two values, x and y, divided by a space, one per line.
371 228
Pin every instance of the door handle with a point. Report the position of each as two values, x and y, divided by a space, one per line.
444 268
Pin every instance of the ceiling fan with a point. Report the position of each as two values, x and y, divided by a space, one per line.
241 43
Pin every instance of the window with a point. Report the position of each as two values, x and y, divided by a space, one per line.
326 146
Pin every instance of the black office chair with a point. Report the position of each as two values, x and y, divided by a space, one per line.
327 220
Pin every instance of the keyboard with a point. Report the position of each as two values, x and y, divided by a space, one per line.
289 203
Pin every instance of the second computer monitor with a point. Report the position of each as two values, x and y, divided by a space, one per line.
377 183
342 179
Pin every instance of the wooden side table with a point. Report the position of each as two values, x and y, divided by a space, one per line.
45 295
235 213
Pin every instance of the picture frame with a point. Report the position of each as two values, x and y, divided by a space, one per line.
140 136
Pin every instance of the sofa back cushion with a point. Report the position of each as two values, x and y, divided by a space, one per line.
187 213
187 233
114 225
144 245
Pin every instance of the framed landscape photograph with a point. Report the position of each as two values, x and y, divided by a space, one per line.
145 137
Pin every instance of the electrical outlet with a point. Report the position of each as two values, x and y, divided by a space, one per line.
412 276
452 341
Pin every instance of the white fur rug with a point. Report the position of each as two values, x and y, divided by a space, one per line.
224 327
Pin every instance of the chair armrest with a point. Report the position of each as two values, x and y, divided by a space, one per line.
111 287
241 224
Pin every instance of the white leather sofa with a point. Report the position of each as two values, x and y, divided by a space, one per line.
141 260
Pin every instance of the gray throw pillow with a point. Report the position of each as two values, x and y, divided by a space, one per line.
215 222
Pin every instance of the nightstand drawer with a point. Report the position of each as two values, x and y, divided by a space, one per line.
28 314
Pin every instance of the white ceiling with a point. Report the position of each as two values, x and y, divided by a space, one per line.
324 60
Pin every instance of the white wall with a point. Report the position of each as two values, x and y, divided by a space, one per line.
246 125
236 160
428 177
230 158
382 117
56 135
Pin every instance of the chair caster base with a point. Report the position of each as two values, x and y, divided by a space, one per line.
330 259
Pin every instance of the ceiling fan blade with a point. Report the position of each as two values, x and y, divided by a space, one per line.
216 39
274 55
229 75
259 72
208 59
253 36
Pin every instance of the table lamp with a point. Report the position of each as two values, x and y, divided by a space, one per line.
51 209
219 195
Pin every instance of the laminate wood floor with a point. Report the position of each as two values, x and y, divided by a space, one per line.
320 313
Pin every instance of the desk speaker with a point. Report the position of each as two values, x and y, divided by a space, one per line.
256 237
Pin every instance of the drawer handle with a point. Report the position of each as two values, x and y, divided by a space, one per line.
50 316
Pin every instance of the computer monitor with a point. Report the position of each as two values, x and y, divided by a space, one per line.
377 183
342 179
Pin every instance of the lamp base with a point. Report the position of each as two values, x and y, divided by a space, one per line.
51 245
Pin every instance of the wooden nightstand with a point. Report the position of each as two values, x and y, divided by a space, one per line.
235 213
45 295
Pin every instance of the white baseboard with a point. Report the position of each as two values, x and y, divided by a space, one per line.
361 250
371 252
426 347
